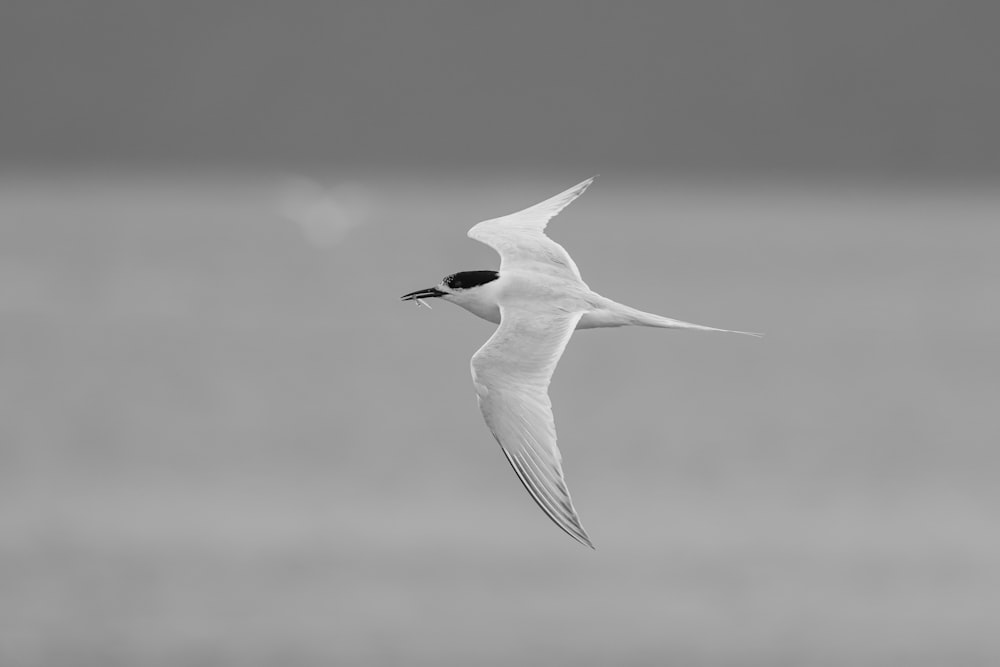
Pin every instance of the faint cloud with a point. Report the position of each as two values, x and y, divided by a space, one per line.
324 214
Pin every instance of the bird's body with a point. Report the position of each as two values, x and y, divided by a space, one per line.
538 299
601 312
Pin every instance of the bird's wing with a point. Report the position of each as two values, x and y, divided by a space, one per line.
511 373
520 237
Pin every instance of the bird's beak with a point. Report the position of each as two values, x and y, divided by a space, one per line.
422 294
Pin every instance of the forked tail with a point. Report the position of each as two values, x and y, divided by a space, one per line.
643 319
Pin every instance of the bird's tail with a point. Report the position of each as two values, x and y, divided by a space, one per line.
643 319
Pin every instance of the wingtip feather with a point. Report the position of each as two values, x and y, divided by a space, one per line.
568 524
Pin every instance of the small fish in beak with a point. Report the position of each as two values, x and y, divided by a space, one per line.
421 294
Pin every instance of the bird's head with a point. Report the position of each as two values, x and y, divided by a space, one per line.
465 288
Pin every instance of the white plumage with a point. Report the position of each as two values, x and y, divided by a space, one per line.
539 299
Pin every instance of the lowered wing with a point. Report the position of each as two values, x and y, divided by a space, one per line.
511 373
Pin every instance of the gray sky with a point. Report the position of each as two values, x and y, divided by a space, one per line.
882 88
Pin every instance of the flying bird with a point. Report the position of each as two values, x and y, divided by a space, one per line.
538 299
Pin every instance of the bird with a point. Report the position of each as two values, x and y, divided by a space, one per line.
538 299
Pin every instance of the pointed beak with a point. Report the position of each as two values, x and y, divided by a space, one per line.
422 294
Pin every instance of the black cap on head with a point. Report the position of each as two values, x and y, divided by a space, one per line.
467 279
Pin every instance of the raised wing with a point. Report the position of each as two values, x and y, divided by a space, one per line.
520 237
511 373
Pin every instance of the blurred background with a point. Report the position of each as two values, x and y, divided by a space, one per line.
224 441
